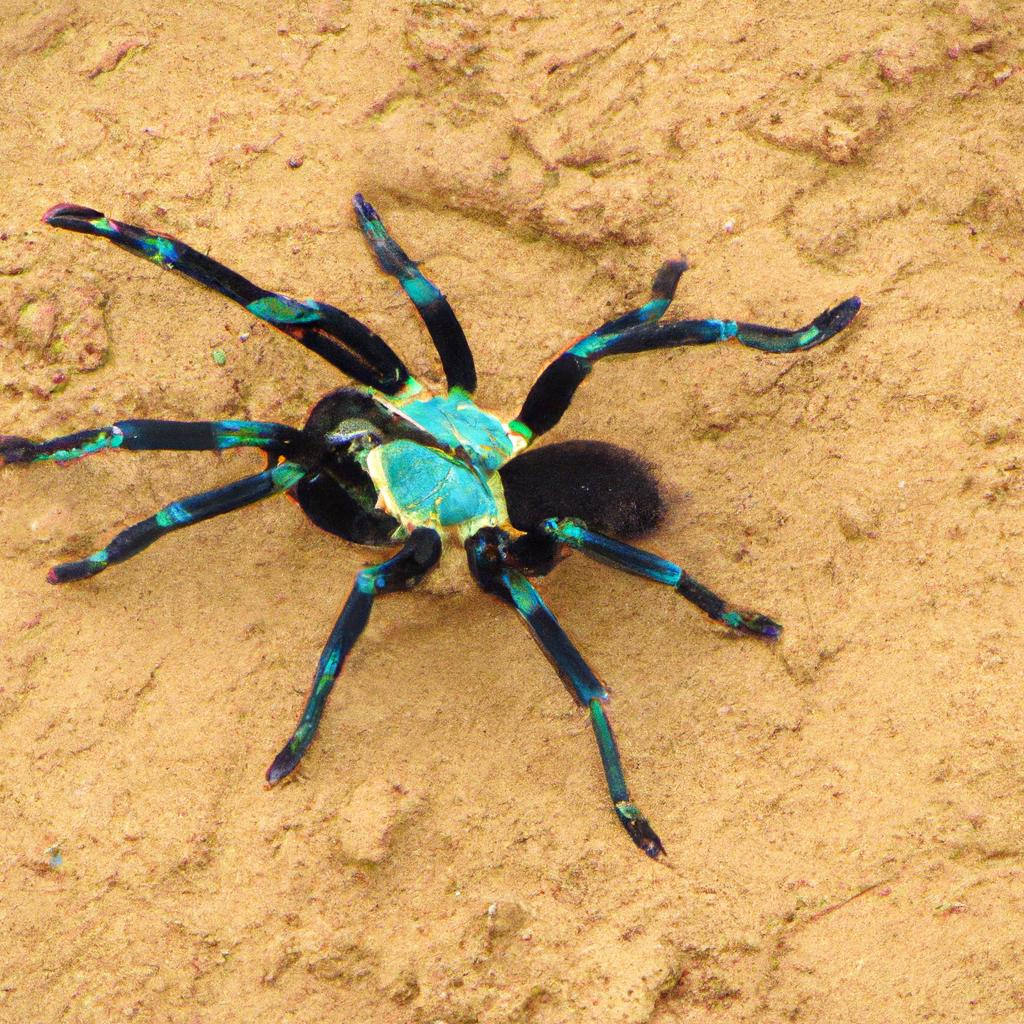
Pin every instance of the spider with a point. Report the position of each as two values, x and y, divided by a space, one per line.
390 465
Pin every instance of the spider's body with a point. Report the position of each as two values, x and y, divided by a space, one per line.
386 463
449 481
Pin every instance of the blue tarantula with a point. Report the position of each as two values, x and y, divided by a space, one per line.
390 465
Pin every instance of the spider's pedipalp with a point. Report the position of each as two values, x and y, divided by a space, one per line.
438 316
419 554
343 341
178 514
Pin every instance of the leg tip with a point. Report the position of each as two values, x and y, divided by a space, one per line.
15 449
778 340
833 320
68 215
667 277
284 764
70 572
639 830
752 623
364 211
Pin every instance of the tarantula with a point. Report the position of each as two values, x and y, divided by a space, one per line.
390 465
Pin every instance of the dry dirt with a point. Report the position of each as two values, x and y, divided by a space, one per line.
843 811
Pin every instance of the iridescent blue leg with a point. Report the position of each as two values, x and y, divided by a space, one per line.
439 318
419 554
553 391
767 339
663 290
488 552
651 567
157 435
178 514
551 394
588 691
329 332
631 817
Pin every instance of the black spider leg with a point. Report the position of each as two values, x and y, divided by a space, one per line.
178 514
553 390
494 564
438 316
419 554
275 439
332 334
650 566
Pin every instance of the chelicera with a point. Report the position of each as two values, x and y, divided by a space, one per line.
388 464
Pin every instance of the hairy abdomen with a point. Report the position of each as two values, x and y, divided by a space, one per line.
610 488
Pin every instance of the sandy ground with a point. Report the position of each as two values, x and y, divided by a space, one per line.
843 812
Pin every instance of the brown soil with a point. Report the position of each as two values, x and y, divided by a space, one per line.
843 812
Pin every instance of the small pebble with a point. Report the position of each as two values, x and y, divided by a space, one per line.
219 356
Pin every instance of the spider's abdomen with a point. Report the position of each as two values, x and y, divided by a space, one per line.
609 488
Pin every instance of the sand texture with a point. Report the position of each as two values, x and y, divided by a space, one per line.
844 811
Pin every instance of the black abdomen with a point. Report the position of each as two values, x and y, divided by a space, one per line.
610 488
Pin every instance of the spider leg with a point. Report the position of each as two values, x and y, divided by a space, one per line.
156 435
488 551
178 514
553 390
332 334
419 554
663 290
642 563
439 318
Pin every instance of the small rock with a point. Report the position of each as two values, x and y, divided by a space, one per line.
856 522
37 323
505 919
904 55
331 16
